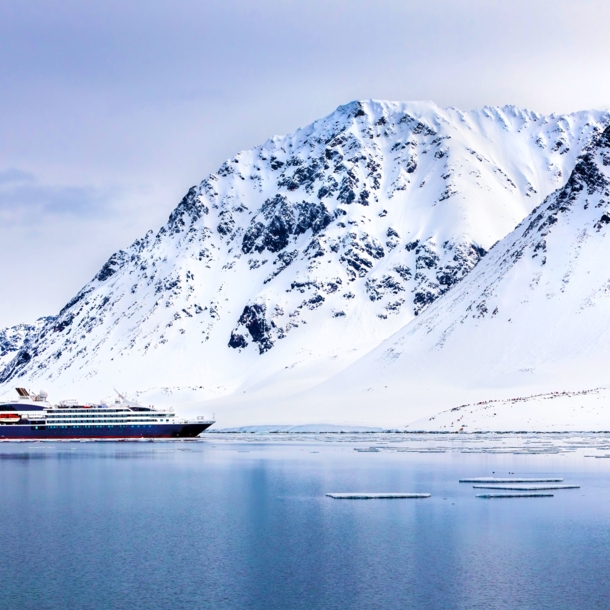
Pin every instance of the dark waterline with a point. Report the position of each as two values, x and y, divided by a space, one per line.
220 524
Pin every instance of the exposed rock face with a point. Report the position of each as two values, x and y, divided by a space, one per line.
312 247
278 221
254 320
15 339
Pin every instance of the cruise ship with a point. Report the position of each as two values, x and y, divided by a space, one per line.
31 417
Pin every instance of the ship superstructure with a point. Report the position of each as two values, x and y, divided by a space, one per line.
31 416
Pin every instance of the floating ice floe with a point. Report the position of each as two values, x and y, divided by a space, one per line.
514 495
367 496
524 488
500 480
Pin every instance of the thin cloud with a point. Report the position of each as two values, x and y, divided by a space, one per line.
25 199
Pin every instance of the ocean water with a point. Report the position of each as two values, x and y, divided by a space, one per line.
243 522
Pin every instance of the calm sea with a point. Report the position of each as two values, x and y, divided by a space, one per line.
243 522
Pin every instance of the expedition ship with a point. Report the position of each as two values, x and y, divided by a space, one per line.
32 417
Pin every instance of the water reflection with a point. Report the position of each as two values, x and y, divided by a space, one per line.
234 524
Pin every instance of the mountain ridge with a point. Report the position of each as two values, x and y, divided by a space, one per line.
523 338
301 255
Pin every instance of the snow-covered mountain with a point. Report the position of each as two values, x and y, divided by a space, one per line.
523 340
301 255
14 338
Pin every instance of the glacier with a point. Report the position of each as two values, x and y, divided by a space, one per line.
289 285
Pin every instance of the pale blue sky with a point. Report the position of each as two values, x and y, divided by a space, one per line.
110 110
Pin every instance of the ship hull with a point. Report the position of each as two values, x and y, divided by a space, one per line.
101 432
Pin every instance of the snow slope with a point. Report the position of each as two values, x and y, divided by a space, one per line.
577 411
301 255
530 319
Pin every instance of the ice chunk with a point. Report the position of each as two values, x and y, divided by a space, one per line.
524 495
367 496
526 488
513 480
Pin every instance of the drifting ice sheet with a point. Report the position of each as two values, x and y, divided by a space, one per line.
365 496
515 496
525 488
496 480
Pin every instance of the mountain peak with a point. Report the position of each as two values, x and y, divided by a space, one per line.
527 326
304 253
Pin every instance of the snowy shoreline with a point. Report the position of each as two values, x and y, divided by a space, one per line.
410 432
